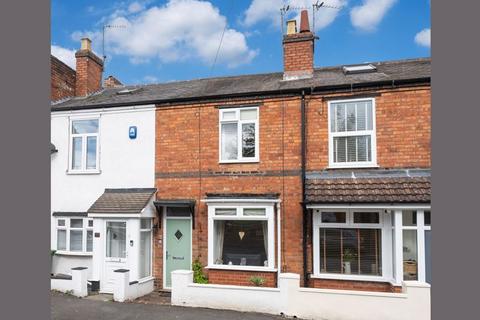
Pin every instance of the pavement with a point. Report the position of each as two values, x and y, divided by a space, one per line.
67 307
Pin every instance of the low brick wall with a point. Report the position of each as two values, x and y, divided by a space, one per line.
240 278
353 285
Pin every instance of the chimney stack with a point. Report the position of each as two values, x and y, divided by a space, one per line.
89 68
112 82
298 48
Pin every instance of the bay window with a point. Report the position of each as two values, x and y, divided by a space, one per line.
84 145
352 139
74 235
349 242
239 134
241 237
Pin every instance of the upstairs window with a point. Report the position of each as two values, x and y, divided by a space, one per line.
352 140
84 145
239 135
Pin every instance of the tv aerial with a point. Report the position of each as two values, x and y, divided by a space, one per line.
315 7
108 26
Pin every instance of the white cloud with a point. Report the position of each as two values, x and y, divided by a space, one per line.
180 30
67 56
423 38
370 13
269 10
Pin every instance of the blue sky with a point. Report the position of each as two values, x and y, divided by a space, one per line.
171 40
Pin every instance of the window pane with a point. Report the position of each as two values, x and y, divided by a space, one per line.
340 145
428 256
61 240
145 254
116 239
89 241
90 223
350 251
334 217
243 243
409 218
61 223
410 262
76 240
248 114
178 212
366 217
248 140
229 115
369 107
91 152
351 118
77 153
254 212
229 141
351 149
340 118
333 117
427 218
76 223
145 223
225 212
361 116
85 126
362 145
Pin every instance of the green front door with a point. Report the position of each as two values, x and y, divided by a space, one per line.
178 247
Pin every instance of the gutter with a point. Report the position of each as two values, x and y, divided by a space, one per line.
320 89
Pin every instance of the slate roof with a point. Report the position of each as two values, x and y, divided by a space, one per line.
326 78
369 187
122 200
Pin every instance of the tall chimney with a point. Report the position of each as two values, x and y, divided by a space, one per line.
298 50
89 68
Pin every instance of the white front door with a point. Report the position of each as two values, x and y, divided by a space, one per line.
115 253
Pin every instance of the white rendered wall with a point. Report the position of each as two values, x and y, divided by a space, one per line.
124 163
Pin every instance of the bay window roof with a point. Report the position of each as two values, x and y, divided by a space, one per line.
369 186
121 201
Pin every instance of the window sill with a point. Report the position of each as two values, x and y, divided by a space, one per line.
350 277
352 166
73 253
240 268
83 172
238 161
146 279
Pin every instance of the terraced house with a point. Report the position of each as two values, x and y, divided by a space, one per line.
319 172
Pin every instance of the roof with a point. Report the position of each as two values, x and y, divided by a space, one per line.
122 200
382 186
250 85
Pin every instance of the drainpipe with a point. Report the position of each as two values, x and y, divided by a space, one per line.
304 207
279 241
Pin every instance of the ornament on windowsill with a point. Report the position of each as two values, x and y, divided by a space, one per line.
241 234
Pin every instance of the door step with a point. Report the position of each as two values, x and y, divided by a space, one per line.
164 292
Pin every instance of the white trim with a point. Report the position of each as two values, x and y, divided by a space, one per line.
97 111
67 228
421 246
73 253
115 215
241 201
398 246
239 123
84 138
371 133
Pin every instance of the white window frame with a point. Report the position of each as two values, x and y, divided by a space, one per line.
269 217
420 228
85 228
386 239
83 168
239 123
151 245
372 133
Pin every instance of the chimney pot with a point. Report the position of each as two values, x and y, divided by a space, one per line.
291 26
304 23
86 44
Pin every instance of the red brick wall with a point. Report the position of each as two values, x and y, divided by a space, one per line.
241 278
402 126
89 73
62 80
298 55
354 285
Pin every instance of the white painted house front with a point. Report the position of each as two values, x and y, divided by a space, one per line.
99 149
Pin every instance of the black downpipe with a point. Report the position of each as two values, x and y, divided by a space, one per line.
304 207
